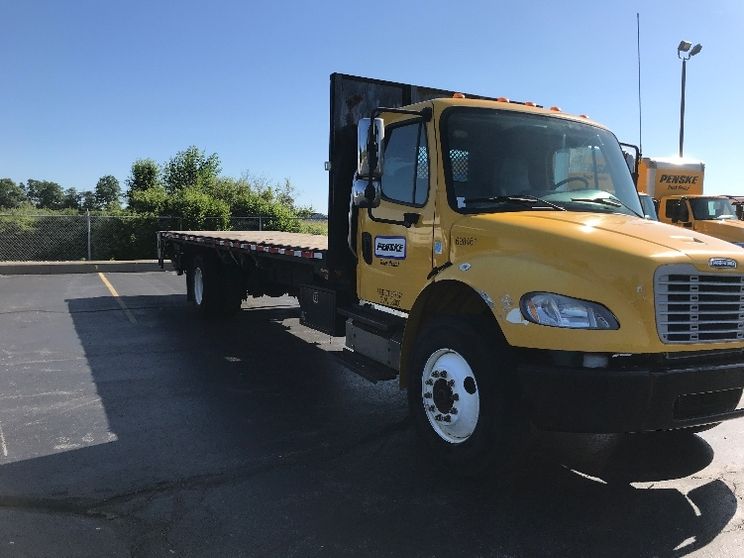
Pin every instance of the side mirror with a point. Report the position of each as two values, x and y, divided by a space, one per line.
673 212
678 212
630 161
369 147
366 193
632 154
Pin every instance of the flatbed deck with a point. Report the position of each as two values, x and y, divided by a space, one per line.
309 246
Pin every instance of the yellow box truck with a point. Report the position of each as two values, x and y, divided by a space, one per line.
492 256
676 185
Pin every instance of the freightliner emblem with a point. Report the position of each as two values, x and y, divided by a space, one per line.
722 263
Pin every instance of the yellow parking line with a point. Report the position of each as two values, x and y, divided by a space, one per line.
118 299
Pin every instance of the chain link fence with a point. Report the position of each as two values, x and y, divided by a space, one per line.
120 237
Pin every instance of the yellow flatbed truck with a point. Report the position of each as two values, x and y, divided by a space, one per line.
676 185
492 256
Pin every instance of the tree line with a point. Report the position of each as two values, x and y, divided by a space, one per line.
46 194
188 186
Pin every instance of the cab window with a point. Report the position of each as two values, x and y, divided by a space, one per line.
405 177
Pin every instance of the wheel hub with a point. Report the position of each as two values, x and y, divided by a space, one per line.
443 396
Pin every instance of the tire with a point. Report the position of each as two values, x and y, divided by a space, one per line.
215 294
457 366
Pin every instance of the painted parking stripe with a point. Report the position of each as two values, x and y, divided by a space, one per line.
118 299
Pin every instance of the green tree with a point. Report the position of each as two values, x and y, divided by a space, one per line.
45 194
12 195
151 201
88 200
230 190
72 199
191 168
145 174
199 210
107 193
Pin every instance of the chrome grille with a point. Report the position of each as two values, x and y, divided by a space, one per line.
695 307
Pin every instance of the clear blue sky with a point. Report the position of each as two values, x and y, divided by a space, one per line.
90 86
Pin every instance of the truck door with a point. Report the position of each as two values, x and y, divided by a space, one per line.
394 240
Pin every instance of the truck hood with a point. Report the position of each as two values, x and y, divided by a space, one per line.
601 234
731 230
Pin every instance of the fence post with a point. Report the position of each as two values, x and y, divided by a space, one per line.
87 214
260 223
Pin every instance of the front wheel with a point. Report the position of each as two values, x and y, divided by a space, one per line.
461 397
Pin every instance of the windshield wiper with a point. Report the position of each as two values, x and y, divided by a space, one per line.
522 199
609 200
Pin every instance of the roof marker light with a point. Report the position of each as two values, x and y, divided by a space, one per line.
458 96
583 116
503 100
555 109
530 103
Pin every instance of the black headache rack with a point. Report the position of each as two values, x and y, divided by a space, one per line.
352 98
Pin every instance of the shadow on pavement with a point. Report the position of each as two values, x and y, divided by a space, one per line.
241 439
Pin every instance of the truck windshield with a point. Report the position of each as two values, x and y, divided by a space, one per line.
706 209
494 159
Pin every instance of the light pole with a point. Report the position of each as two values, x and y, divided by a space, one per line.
685 51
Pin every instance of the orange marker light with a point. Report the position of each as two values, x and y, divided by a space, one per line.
530 103
555 109
583 116
503 100
458 96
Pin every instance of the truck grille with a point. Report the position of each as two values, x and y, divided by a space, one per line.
694 307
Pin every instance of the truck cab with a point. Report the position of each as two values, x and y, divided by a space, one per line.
520 228
712 215
677 187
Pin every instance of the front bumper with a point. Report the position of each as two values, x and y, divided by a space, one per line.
657 396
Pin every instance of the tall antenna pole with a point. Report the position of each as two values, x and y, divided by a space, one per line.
640 112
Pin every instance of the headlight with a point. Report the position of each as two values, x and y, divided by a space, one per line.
562 311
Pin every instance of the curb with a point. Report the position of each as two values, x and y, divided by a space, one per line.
54 268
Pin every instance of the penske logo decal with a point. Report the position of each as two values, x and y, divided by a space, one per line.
390 247
677 179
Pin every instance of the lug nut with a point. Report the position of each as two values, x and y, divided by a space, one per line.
429 382
453 410
447 418
443 374
451 383
427 395
432 408
439 418
435 374
455 397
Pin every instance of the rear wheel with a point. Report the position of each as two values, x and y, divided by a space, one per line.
461 398
215 291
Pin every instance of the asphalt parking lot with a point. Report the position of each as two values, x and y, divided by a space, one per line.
128 427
